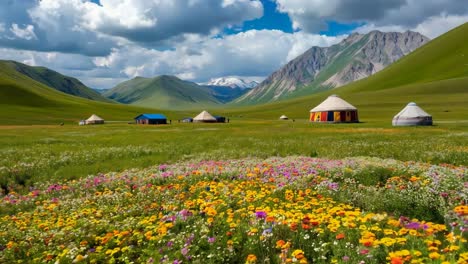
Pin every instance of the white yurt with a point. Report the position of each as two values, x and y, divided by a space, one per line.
283 117
335 110
94 120
204 117
412 115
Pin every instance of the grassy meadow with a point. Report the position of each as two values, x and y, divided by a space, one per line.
37 153
255 190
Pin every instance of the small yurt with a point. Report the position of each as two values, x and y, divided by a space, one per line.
94 120
151 119
283 117
412 115
204 117
334 110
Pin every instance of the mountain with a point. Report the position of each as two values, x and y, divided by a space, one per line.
232 82
101 91
163 92
55 80
318 69
226 94
25 101
434 76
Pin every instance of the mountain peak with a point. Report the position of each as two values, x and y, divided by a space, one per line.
232 82
356 57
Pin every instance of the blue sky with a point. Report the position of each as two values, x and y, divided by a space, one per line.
106 42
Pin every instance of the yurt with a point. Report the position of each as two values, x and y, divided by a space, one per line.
283 117
94 120
151 119
204 117
334 110
412 115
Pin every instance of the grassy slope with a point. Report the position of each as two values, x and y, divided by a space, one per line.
26 101
164 92
55 80
434 76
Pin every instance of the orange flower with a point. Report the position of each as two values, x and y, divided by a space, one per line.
340 236
280 243
396 260
251 258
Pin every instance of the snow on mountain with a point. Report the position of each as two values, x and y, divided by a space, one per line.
232 82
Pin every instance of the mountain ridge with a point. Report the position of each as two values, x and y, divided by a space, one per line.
164 92
324 68
55 80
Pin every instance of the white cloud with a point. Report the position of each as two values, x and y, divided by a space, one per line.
253 54
250 53
78 26
311 15
24 33
432 27
438 25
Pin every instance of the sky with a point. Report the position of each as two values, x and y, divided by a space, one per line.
105 42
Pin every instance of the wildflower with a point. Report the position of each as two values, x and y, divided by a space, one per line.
298 254
340 236
434 255
251 258
261 214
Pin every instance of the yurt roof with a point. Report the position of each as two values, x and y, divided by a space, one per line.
94 118
333 103
283 117
204 115
412 110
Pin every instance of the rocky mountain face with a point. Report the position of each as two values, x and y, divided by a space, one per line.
356 57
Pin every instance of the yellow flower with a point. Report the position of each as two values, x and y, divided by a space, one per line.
79 258
434 255
298 254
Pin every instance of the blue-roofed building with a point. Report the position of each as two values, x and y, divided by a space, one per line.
151 119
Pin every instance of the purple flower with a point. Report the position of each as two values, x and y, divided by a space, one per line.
413 225
184 251
261 214
177 261
333 186
170 244
345 258
211 240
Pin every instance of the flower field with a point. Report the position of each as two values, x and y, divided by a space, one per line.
278 210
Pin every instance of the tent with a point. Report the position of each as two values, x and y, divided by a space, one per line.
204 117
151 119
412 115
94 120
283 117
334 109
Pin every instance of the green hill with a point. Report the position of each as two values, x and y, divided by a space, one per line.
27 101
53 79
163 92
435 76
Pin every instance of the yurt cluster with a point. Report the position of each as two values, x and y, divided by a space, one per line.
160 119
332 110
336 110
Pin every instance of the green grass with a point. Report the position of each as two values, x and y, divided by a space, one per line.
26 101
36 153
166 92
53 79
